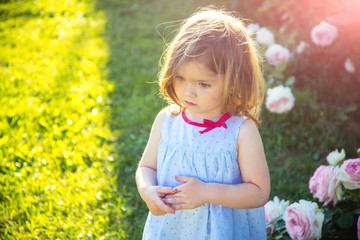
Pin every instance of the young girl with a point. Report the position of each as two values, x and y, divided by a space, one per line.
203 174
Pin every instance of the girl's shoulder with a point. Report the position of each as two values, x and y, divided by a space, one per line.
169 111
248 129
173 110
237 121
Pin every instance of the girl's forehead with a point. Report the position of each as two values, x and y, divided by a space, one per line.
197 71
194 53
195 66
203 62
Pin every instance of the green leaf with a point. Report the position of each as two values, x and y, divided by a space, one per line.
316 156
270 81
342 116
357 211
350 108
281 67
290 81
345 220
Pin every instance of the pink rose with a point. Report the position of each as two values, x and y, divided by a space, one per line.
358 228
323 184
277 54
274 209
303 220
279 99
349 174
323 34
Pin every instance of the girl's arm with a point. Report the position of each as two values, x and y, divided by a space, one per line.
252 193
146 173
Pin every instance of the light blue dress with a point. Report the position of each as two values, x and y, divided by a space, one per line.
210 157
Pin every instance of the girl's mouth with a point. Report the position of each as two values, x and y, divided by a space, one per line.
190 104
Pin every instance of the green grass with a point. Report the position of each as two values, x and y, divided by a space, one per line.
56 168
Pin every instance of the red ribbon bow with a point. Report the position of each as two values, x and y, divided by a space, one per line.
208 124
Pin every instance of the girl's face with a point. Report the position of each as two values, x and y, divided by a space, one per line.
200 90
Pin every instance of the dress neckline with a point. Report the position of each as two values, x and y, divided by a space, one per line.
208 124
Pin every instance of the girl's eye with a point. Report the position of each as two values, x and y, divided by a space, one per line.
205 85
179 78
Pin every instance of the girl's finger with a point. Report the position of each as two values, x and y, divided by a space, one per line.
171 200
174 195
166 190
182 179
165 207
178 206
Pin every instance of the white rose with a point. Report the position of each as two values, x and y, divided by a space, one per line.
276 54
252 28
301 47
324 34
279 99
274 209
335 157
349 66
265 36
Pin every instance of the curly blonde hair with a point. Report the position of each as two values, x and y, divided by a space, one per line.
220 41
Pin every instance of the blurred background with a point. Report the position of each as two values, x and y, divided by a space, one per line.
78 97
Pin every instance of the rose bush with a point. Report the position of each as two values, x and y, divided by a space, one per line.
324 50
311 63
304 220
318 69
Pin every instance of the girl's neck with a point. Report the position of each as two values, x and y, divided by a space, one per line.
199 118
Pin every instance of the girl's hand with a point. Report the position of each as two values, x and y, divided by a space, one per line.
153 197
190 195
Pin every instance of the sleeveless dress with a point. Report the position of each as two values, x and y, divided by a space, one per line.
210 157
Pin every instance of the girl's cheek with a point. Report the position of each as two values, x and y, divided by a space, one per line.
177 84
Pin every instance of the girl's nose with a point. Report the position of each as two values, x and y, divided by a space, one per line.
190 90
